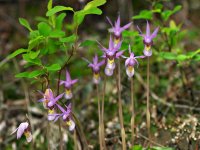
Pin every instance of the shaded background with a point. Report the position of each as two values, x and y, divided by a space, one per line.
14 91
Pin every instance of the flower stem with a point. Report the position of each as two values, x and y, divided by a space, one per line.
118 79
80 132
102 115
99 114
61 135
75 141
148 105
133 114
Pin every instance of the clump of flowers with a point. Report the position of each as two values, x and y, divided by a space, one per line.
95 66
46 97
110 54
50 102
130 62
24 128
68 83
117 29
66 116
148 39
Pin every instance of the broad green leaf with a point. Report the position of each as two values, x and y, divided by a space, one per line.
167 13
80 15
35 73
34 34
156 10
162 148
127 33
42 19
177 8
69 39
57 34
158 6
35 61
17 52
44 29
29 74
192 54
88 43
22 75
168 55
144 14
49 6
25 23
33 54
181 57
137 147
90 8
94 3
34 42
56 9
59 21
197 57
54 67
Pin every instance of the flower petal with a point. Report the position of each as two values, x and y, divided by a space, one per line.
22 127
148 29
154 34
125 27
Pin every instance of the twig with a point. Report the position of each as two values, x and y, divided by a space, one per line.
146 138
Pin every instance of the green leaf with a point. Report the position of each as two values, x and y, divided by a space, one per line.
57 34
181 57
88 43
144 14
29 74
167 13
90 8
168 55
177 8
34 42
69 39
35 61
22 75
49 6
25 23
54 67
17 52
44 29
33 55
34 34
94 3
35 73
56 9
59 21
127 33
162 148
137 147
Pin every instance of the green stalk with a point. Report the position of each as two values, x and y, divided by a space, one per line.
133 115
118 79
148 104
99 114
102 115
